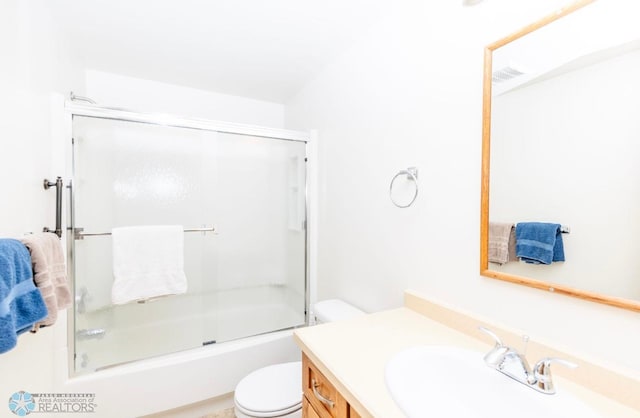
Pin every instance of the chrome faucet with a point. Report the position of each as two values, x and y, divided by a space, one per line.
510 362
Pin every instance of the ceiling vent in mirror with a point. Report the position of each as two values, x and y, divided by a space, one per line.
506 73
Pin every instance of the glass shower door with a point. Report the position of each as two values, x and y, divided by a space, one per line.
256 279
246 278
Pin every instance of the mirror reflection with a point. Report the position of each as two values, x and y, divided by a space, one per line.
565 146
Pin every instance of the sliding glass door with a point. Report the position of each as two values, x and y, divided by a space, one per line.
245 278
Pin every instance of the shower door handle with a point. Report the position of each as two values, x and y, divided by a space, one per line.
72 219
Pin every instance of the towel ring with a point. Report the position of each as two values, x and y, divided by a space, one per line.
412 174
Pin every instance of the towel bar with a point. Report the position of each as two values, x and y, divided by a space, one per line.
79 234
58 183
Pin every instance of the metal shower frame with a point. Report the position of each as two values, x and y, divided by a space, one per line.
73 108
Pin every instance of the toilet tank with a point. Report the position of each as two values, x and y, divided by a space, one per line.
334 310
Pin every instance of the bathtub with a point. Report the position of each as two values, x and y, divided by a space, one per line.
171 381
139 331
168 381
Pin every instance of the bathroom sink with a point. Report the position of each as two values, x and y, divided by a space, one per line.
443 381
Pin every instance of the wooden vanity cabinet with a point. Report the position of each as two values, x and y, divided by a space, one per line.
321 398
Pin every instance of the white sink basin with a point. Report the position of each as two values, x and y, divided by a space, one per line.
442 381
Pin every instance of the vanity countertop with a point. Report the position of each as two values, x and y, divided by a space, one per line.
353 354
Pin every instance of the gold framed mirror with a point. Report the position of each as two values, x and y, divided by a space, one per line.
561 145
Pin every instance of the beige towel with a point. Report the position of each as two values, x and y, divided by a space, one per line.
49 273
502 242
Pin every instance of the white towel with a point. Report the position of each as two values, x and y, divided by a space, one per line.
148 262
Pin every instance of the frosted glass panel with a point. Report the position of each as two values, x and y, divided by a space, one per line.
248 278
260 258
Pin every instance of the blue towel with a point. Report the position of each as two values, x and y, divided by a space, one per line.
539 242
21 304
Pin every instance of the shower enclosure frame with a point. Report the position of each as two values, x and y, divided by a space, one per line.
73 109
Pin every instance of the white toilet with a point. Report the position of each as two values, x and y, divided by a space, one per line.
276 391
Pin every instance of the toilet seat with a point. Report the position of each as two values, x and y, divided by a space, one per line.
272 414
271 391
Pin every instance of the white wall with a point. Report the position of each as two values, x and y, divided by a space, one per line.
35 64
410 93
566 154
153 96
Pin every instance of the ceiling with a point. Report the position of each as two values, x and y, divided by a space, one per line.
260 49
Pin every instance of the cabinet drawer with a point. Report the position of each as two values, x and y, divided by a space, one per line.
307 409
322 395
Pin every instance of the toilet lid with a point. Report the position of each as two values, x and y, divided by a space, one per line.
272 388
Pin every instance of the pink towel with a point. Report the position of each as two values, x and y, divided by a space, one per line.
49 273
